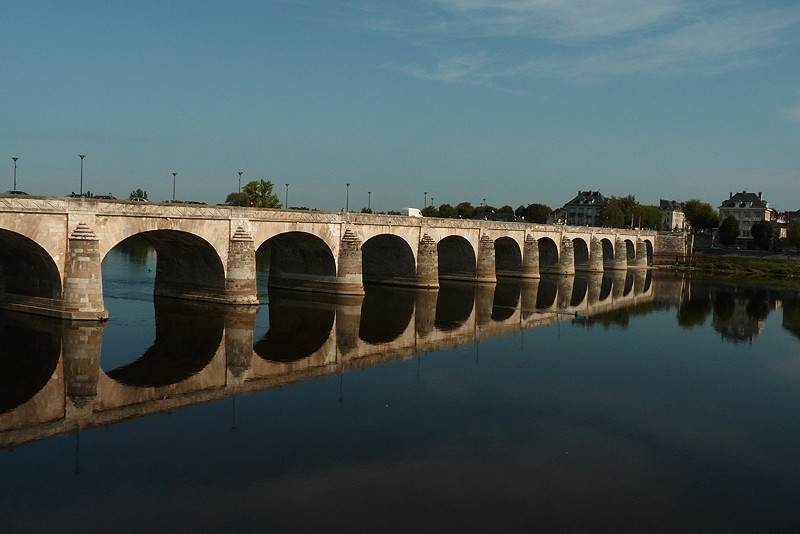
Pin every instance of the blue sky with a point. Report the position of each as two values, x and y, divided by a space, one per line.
512 101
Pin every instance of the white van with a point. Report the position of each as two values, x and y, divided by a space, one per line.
411 212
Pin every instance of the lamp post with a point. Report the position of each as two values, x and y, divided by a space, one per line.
287 197
240 180
425 202
369 200
431 201
81 156
174 174
347 198
15 171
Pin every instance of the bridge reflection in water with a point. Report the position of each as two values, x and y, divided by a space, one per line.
53 380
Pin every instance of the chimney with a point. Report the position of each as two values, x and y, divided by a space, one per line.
730 195
759 195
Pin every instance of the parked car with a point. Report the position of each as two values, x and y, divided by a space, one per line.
105 197
15 192
139 199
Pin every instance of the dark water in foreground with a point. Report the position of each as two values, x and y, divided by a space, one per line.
667 405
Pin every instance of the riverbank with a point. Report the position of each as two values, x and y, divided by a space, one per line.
773 267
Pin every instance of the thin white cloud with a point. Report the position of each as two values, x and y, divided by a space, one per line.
513 39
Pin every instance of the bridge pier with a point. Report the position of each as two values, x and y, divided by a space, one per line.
240 282
427 263
80 349
486 270
349 278
566 258
640 261
620 254
82 298
530 257
596 256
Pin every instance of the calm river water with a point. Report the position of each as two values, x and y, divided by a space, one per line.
661 405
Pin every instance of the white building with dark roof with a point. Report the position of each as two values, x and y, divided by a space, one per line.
672 216
584 209
746 208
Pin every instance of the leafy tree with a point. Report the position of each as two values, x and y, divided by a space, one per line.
728 230
138 193
258 194
538 213
506 209
618 212
647 216
237 199
794 236
465 210
430 211
447 211
366 210
761 231
701 216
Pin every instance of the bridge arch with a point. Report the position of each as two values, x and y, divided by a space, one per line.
26 269
300 260
581 252
457 260
630 251
388 259
548 255
187 266
608 253
507 257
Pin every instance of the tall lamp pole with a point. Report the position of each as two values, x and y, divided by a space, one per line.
369 200
15 171
287 196
240 180
174 174
81 156
431 201
347 199
425 202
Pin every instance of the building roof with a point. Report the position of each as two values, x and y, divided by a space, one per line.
745 200
590 198
672 205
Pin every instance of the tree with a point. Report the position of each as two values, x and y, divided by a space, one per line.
618 212
366 210
447 211
257 194
430 211
465 210
701 216
647 216
761 231
237 199
728 230
538 213
138 193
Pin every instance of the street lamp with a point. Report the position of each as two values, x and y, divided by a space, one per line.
240 180
174 174
369 200
287 196
425 202
431 201
347 199
81 156
15 171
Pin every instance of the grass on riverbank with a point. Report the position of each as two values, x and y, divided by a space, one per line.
737 266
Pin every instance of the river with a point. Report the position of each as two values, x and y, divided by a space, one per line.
624 402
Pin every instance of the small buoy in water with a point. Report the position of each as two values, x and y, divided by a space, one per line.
577 314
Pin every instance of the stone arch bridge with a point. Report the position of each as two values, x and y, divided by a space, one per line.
51 251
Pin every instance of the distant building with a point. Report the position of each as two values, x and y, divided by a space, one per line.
583 210
672 217
746 208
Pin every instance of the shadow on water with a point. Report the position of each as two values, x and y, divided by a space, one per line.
454 305
187 337
385 313
31 347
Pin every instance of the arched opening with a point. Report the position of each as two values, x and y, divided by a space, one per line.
507 257
456 259
454 306
298 327
187 336
506 301
387 259
629 279
300 261
29 357
649 245
630 251
548 254
26 270
606 286
580 289
581 252
608 253
385 314
548 289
